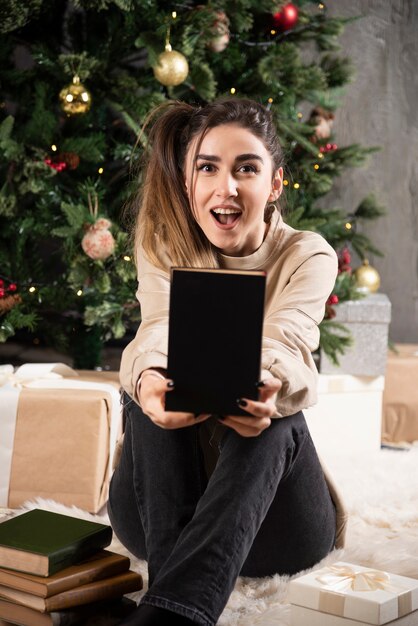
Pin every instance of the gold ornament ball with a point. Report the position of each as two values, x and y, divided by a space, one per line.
367 278
75 99
172 68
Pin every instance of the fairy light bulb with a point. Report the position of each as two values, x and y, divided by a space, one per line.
174 14
285 182
320 155
126 258
348 225
32 289
80 292
316 166
54 148
233 90
296 185
300 115
100 170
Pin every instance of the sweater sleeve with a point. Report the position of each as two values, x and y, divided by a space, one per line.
291 330
149 347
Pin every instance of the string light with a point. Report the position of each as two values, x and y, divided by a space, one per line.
316 166
54 148
32 289
126 258
80 292
233 90
100 170
285 182
348 225
296 185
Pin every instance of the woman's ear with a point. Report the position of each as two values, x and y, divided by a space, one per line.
277 185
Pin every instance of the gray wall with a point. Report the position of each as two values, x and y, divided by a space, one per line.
381 108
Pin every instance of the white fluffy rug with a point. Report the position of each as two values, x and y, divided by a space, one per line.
381 494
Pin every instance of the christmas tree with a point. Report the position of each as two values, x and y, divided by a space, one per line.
78 79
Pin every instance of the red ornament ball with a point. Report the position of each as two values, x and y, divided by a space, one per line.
287 18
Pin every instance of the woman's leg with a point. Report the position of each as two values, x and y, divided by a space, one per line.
155 487
299 528
199 575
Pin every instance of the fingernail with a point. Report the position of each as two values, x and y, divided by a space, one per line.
242 402
170 383
260 384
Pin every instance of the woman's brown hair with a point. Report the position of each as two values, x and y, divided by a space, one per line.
165 223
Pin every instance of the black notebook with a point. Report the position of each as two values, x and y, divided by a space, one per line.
215 337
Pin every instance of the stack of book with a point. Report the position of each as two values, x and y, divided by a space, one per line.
55 571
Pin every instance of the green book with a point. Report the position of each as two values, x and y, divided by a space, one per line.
40 542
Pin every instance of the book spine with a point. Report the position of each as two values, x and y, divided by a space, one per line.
108 589
79 551
97 572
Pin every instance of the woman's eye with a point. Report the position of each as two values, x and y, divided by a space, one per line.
205 167
248 169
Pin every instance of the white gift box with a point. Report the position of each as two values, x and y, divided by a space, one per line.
301 616
352 595
348 414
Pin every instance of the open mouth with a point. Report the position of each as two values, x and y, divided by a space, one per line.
226 217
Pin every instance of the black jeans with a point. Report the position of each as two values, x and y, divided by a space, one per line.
265 509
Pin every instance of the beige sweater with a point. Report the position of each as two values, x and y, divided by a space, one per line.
301 269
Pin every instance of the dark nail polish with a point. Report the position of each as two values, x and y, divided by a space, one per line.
241 402
170 384
260 384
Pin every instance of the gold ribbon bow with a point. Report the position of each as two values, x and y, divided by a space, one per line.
344 577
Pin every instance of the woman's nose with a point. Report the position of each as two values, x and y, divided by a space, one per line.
226 186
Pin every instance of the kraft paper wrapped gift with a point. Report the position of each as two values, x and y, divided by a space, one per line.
400 397
351 595
58 432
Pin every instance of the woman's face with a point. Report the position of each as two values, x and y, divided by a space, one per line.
232 183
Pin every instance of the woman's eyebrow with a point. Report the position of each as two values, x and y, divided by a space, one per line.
249 157
241 157
207 157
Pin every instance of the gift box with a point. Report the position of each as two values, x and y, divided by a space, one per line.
348 414
352 595
400 398
58 432
368 321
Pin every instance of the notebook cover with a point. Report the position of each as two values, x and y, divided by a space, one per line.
215 339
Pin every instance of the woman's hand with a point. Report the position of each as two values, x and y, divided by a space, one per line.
262 410
152 398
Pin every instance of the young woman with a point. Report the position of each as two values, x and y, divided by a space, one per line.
204 500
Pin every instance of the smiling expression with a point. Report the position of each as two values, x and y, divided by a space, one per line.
232 182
